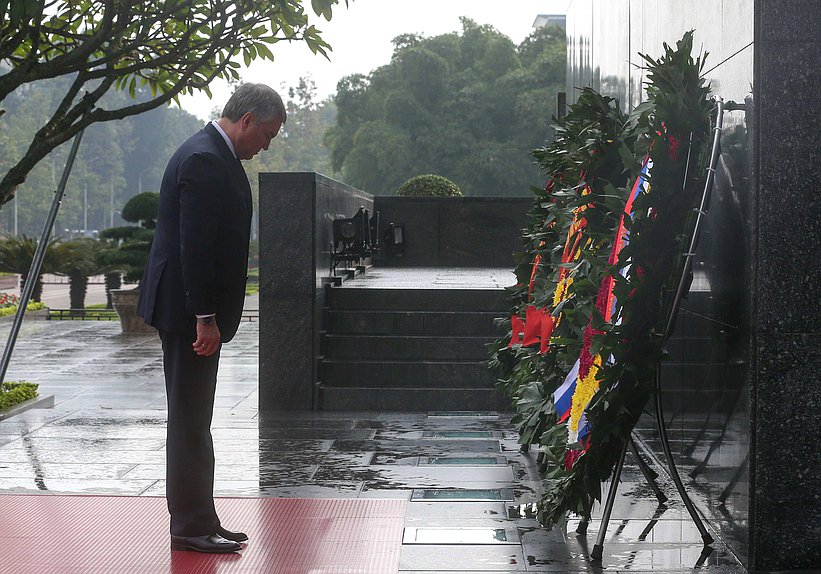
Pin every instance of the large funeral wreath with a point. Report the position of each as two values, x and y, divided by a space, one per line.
603 251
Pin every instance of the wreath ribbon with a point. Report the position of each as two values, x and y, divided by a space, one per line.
539 322
573 397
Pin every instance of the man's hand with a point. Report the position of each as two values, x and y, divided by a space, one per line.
208 339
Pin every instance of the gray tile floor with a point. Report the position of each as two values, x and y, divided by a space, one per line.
106 435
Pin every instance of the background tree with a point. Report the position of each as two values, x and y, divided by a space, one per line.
169 46
116 161
470 107
113 279
300 145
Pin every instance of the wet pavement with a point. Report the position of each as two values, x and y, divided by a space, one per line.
469 490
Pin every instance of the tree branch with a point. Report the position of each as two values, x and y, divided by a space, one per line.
31 71
68 120
174 46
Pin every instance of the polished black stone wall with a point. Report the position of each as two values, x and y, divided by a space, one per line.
786 391
296 211
453 231
604 40
742 389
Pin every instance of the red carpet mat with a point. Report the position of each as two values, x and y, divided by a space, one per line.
44 534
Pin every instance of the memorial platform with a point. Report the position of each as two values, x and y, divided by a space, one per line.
81 484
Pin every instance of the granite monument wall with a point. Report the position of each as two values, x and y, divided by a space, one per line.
743 380
296 211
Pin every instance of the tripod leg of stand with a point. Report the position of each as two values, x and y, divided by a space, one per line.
525 448
722 498
541 462
662 428
649 475
581 529
596 554
642 463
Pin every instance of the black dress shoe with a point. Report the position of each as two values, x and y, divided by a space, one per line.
210 543
235 536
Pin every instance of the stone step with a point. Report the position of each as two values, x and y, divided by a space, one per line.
409 374
682 349
700 302
685 370
483 300
413 348
434 323
411 399
690 376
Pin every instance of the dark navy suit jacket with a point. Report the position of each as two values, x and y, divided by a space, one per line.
199 258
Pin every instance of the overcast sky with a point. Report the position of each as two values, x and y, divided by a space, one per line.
361 40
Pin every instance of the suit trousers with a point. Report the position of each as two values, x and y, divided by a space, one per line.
190 384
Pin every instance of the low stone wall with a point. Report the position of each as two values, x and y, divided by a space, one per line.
454 231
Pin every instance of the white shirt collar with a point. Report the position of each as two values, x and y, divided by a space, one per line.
225 137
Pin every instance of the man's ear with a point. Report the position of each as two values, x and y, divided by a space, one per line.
247 119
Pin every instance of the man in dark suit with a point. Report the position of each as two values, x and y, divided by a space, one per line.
193 292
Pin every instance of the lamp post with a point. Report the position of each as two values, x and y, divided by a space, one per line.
140 179
111 206
85 209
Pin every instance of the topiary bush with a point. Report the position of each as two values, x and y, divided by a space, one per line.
142 209
125 249
429 186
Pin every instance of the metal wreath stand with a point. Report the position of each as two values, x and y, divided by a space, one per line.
37 260
648 473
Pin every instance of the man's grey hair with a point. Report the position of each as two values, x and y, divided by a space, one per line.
264 102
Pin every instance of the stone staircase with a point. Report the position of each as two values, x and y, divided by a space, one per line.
409 349
703 353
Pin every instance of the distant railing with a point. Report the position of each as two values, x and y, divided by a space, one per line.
248 316
54 279
82 315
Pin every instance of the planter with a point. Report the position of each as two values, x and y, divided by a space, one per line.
39 315
8 282
125 303
38 402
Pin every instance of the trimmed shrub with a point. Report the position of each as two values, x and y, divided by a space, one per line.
142 209
14 393
5 311
429 186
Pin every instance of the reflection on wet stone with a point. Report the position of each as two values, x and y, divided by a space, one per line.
432 448
459 434
462 494
466 535
462 461
315 433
